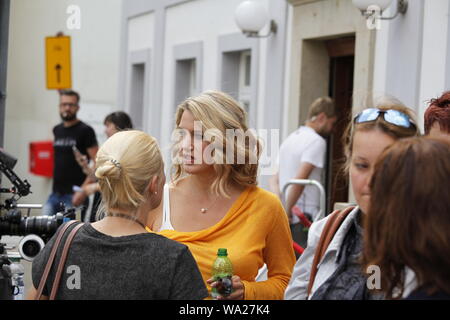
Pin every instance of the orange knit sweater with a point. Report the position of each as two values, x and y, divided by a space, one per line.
255 231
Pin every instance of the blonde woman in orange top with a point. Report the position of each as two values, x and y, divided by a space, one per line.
213 201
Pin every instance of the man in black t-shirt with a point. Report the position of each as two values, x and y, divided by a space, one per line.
66 172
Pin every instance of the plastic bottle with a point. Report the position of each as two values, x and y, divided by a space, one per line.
222 271
17 271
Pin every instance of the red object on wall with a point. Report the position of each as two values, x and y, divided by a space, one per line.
41 158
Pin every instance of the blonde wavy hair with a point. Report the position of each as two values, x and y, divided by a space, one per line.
218 113
125 166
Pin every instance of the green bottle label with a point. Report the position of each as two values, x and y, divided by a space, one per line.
222 272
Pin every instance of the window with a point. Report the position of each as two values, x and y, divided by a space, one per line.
188 60
137 91
237 74
244 94
137 94
192 77
185 79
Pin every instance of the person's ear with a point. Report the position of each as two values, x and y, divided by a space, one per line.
322 117
153 186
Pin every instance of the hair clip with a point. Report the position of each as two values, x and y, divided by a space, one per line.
115 163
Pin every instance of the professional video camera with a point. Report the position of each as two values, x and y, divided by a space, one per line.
36 230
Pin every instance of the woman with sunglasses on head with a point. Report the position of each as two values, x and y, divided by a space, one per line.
215 203
330 268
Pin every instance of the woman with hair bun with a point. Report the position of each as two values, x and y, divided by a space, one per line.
213 200
116 257
114 122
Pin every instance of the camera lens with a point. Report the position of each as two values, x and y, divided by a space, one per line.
30 246
44 226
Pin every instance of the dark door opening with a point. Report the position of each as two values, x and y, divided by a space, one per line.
342 57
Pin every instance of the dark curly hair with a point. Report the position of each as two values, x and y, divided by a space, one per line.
438 111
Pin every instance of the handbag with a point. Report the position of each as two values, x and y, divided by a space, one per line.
62 259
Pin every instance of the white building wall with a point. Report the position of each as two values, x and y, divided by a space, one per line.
198 21
404 58
262 78
140 32
434 54
411 65
201 29
140 42
31 109
381 56
284 130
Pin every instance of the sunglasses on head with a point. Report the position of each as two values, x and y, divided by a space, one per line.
391 116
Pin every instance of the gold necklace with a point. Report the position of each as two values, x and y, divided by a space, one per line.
205 210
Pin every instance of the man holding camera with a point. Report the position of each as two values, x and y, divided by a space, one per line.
69 136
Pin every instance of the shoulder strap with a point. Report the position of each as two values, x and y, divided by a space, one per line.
331 227
62 260
51 258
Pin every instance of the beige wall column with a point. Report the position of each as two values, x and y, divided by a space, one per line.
313 22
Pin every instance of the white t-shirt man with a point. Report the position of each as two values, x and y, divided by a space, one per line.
303 145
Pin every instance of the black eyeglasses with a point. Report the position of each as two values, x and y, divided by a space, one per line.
68 104
391 116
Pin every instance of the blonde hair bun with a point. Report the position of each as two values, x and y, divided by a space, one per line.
108 170
126 164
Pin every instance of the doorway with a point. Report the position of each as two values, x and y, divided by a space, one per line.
342 60
327 69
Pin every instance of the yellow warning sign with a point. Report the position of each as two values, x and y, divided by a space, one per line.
59 73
